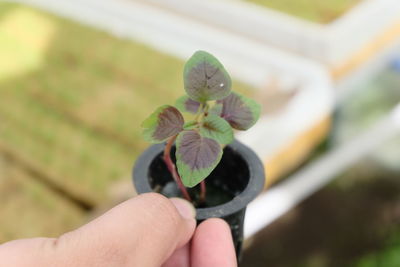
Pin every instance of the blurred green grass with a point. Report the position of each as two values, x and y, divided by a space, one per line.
71 102
29 209
321 11
388 256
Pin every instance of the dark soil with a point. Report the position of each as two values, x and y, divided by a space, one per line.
228 179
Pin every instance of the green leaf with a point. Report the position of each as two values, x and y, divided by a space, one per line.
185 104
163 123
196 157
205 78
190 125
241 112
217 128
216 109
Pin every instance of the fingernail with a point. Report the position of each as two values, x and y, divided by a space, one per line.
185 208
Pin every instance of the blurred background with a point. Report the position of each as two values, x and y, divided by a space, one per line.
78 77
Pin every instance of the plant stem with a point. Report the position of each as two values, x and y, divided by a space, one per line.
172 169
202 191
199 112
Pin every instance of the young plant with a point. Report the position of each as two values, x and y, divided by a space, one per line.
199 141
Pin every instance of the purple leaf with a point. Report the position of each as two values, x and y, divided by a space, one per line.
241 112
205 78
165 122
196 157
186 104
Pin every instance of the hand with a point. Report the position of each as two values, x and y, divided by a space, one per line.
149 230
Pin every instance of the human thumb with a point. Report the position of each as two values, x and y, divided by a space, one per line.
143 231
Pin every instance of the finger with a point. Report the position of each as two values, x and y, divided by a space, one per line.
143 231
212 245
180 257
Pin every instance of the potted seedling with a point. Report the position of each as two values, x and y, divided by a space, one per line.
199 159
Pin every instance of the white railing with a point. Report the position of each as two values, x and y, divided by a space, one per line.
286 195
330 43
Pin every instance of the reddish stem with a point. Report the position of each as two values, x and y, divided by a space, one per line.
202 191
172 169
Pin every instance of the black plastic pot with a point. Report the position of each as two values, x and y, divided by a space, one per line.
236 181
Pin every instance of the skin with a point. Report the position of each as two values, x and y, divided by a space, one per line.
146 231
